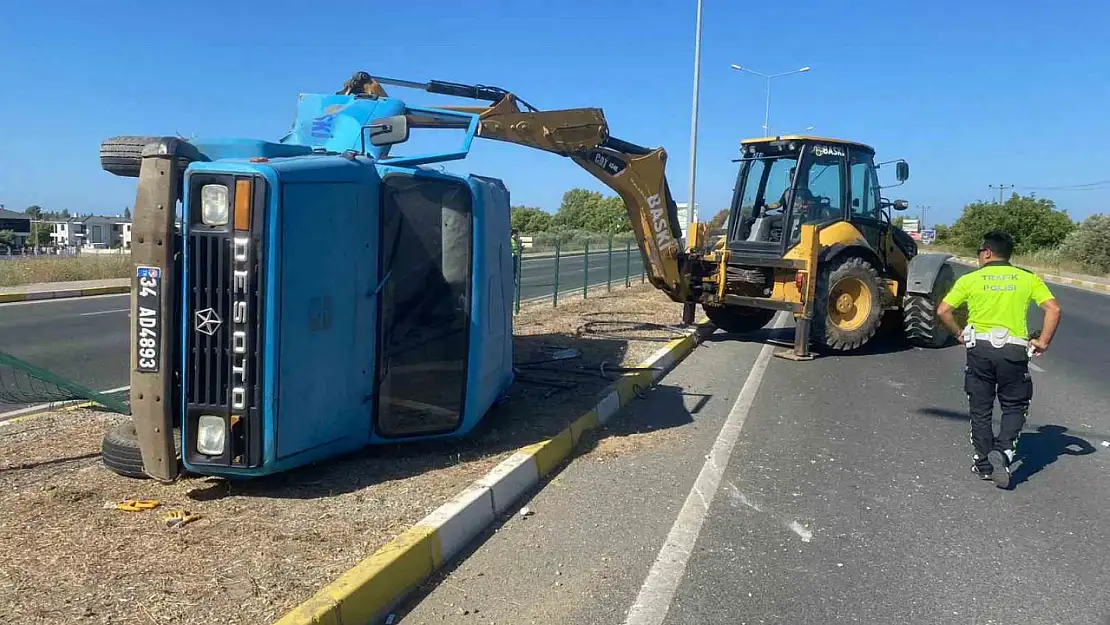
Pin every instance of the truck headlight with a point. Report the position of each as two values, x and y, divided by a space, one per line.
211 435
213 205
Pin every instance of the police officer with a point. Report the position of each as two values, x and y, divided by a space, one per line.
997 337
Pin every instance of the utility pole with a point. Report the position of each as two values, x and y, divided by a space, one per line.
694 122
1001 189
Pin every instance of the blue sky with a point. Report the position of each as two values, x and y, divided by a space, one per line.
971 93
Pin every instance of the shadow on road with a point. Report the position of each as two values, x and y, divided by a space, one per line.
1037 450
884 342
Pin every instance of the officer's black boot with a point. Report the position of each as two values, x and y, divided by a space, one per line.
982 467
1000 468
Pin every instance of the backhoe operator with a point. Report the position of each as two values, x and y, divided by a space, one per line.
998 349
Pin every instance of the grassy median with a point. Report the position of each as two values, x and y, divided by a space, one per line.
17 272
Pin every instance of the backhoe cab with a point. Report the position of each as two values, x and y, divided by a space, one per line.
809 233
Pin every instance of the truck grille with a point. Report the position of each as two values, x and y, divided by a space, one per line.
223 324
210 289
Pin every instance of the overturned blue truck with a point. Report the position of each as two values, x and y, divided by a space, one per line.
320 293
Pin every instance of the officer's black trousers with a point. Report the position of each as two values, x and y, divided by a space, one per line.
1001 372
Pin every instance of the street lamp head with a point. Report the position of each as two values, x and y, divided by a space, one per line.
737 67
804 69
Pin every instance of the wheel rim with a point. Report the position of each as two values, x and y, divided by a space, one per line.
849 304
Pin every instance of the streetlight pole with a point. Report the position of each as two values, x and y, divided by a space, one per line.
694 122
769 77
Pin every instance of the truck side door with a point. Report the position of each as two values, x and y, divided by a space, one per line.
865 211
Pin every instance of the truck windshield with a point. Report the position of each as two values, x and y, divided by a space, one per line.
763 195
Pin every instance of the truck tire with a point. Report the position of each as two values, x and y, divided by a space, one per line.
119 450
123 156
847 309
920 323
738 319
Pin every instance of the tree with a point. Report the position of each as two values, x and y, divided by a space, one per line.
1089 244
899 221
1035 223
65 213
943 234
34 210
529 219
719 220
589 210
127 213
7 238
40 234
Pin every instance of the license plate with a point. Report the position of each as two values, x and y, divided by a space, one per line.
148 326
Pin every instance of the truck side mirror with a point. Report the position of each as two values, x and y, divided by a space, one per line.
902 171
900 205
389 130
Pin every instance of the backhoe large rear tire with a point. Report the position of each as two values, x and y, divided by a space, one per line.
920 323
848 308
739 319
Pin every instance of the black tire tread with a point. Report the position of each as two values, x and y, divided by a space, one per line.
920 323
123 156
119 450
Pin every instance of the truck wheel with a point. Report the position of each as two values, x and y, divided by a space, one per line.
119 450
920 323
738 319
848 306
122 156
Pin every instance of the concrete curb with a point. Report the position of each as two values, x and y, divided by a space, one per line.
1087 285
6 298
368 591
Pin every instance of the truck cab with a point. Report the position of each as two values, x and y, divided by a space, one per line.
330 296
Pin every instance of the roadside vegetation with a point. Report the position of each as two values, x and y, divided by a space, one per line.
32 270
1045 236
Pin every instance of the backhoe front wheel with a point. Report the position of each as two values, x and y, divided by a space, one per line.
738 319
848 307
920 322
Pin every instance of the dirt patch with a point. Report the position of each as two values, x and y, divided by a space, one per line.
262 546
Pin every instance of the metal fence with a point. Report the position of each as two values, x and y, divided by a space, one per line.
30 253
595 267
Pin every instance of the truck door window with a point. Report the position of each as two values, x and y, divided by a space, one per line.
863 187
424 305
818 191
761 207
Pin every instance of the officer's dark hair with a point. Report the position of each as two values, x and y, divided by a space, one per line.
999 242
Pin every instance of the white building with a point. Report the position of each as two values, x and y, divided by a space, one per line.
67 233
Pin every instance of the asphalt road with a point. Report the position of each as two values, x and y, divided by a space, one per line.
538 274
846 498
86 340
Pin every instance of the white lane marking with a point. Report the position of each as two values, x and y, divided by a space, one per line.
1036 367
662 581
105 312
83 298
5 416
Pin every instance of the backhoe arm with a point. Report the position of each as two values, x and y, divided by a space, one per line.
637 174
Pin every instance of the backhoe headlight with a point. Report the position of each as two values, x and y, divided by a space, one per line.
211 435
213 205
